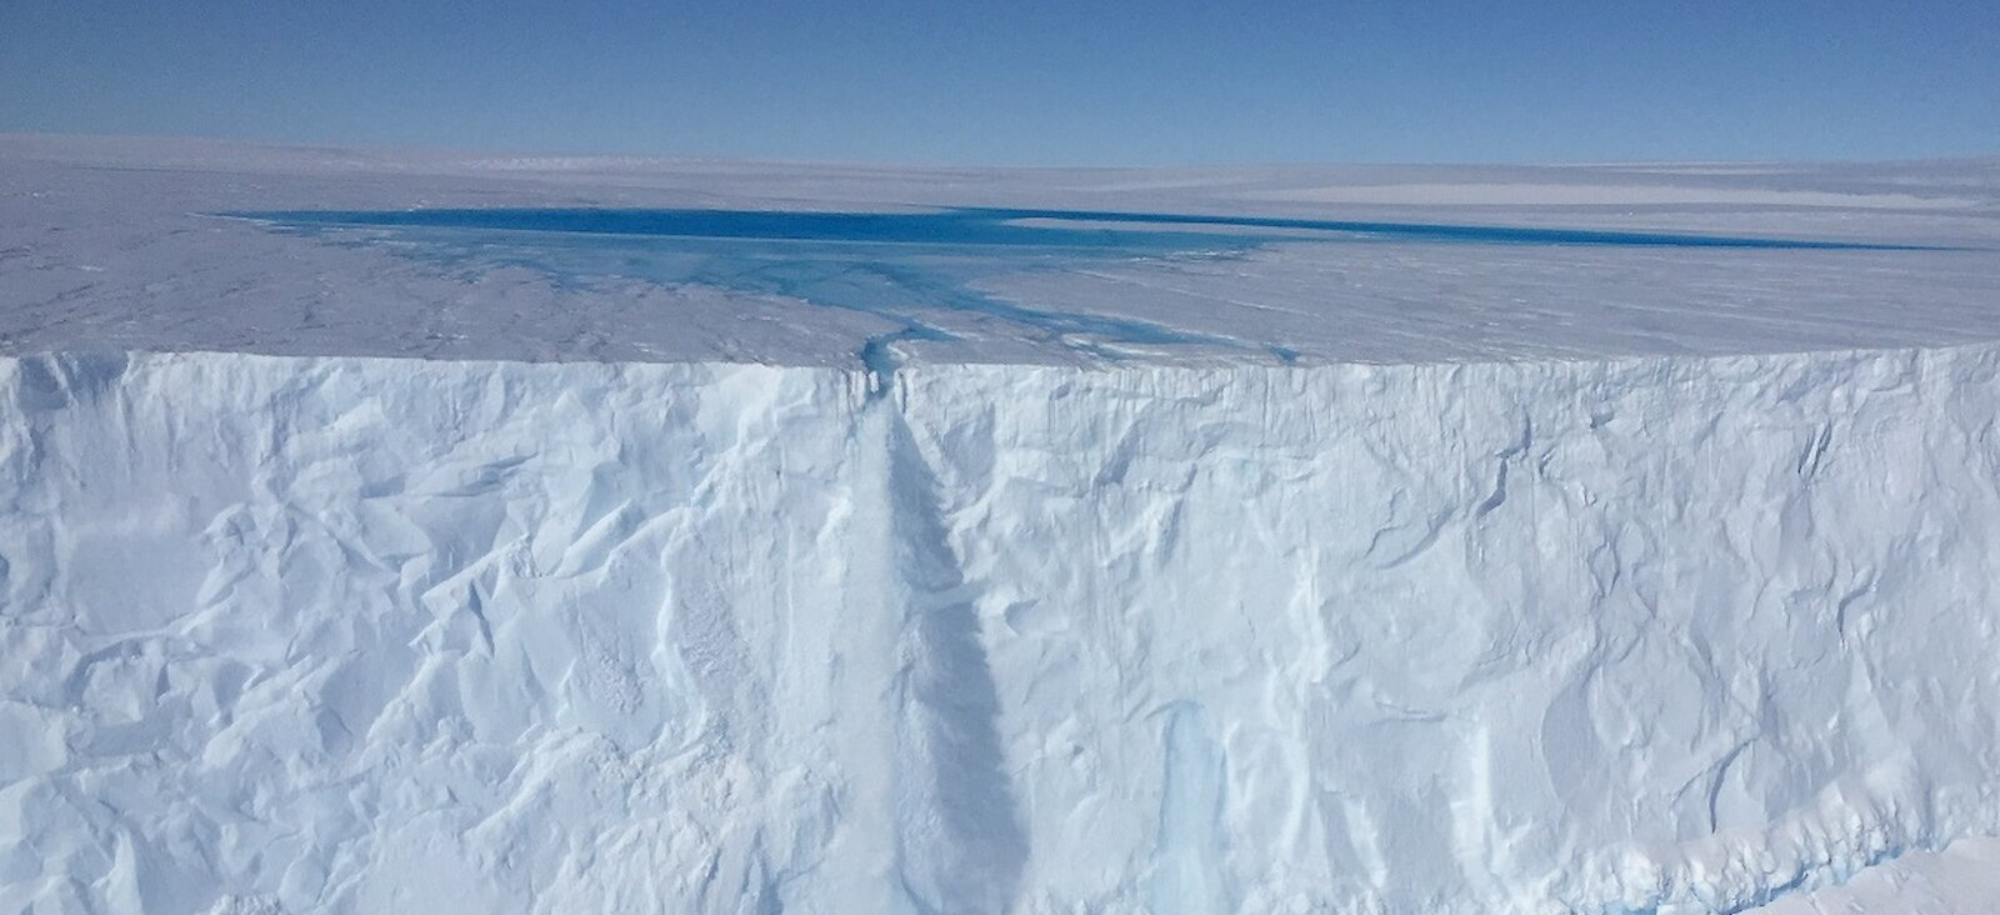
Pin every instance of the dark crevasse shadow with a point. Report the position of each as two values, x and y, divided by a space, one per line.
961 847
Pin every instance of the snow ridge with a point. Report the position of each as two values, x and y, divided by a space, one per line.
1663 635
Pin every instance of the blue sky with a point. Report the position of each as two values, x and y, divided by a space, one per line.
1028 82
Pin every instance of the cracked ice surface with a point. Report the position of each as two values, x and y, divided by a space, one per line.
1636 580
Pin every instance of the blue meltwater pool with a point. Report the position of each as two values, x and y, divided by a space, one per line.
900 265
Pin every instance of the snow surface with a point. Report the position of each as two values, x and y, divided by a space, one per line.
1962 880
114 245
1543 579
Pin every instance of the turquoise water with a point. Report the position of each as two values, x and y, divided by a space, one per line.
905 266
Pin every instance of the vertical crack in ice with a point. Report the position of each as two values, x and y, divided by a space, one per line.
880 359
960 844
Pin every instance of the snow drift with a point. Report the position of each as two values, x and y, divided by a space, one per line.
351 635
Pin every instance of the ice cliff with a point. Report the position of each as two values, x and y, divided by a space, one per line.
1664 634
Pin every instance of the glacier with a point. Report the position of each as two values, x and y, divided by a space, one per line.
1556 618
356 635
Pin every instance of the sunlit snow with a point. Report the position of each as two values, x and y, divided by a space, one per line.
430 533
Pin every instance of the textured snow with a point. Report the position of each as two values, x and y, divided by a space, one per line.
1546 579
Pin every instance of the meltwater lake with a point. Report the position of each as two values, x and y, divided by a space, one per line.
900 265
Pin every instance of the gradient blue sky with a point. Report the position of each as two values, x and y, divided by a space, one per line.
1027 82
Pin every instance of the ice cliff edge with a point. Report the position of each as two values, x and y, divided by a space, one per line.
357 635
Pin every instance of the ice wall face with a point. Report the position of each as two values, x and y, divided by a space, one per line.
1589 637
359 635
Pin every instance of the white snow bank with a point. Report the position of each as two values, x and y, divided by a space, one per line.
350 635
1962 880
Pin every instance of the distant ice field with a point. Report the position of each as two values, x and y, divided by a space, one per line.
116 244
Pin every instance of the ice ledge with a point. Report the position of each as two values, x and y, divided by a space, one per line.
1962 879
905 365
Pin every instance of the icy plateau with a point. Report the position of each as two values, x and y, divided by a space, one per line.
353 572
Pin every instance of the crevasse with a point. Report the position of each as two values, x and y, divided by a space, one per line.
351 635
